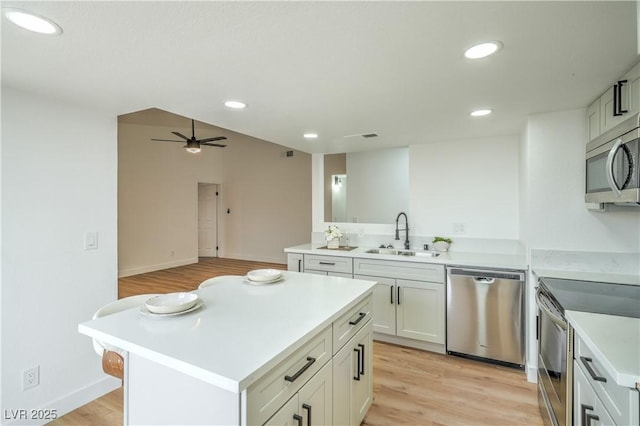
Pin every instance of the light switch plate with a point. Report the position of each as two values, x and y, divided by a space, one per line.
90 240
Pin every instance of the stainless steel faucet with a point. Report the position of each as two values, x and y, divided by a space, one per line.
406 229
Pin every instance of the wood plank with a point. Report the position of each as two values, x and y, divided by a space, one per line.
411 387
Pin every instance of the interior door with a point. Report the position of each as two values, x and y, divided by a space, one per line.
207 220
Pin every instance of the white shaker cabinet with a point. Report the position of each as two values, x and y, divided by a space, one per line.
619 102
337 266
353 379
597 398
408 301
312 405
295 262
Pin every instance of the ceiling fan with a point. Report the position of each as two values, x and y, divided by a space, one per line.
193 144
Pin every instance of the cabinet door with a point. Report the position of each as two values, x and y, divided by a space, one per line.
294 262
420 310
384 304
363 388
593 121
587 407
352 379
633 84
315 398
286 415
607 119
340 274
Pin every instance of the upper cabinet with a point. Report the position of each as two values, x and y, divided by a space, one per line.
618 103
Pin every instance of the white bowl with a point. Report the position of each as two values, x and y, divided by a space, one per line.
171 302
264 275
441 246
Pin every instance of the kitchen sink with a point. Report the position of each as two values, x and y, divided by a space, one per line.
395 252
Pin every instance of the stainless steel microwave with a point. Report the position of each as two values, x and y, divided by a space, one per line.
612 170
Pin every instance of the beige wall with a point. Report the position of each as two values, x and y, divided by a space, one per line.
268 196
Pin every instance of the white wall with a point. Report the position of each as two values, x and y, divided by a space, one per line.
474 182
58 181
158 198
557 217
378 185
269 198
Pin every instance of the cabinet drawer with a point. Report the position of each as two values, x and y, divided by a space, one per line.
620 402
271 391
328 263
345 327
398 269
587 407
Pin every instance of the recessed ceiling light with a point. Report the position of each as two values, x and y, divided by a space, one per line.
480 112
310 135
483 50
235 104
32 22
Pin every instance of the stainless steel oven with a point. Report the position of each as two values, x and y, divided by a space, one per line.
555 361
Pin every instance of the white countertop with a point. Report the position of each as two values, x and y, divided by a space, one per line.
614 340
242 331
487 260
606 277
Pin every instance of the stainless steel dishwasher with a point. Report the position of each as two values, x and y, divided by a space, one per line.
485 314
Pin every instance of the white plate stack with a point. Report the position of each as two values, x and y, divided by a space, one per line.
264 276
172 303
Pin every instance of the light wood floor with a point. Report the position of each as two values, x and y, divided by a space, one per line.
411 387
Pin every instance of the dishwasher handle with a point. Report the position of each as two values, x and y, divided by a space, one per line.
484 280
486 274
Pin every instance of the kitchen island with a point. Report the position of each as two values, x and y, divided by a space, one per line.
247 353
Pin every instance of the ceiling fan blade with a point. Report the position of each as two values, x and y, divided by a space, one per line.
213 144
181 135
218 138
166 140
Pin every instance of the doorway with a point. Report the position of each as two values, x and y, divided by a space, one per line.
207 220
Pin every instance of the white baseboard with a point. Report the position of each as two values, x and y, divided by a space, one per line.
416 344
73 400
271 259
532 374
157 267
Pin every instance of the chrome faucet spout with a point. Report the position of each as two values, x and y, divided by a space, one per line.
406 229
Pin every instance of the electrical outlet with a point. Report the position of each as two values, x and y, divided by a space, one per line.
459 228
31 377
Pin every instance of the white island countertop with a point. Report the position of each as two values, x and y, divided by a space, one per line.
241 332
614 340
450 258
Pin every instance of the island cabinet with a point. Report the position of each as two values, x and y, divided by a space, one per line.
250 355
295 262
597 398
408 301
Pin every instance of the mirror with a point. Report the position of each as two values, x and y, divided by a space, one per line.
366 187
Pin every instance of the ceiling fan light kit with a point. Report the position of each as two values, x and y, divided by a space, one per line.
193 145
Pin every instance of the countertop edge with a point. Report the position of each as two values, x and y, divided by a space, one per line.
629 380
485 260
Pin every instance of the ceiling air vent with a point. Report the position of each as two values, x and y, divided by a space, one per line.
370 135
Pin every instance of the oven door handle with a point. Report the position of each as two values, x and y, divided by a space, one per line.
612 155
558 320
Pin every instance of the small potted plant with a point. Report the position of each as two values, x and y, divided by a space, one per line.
441 243
333 235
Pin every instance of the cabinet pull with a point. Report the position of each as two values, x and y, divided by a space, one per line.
298 418
391 288
590 417
615 101
310 361
620 110
361 371
328 263
362 315
299 265
398 298
357 376
584 408
586 362
308 408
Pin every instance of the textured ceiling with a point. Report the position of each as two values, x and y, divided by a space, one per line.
336 68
